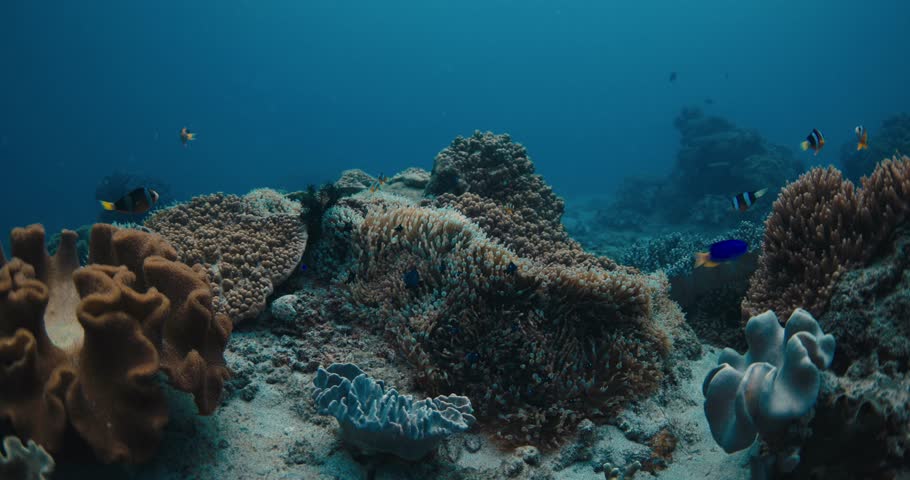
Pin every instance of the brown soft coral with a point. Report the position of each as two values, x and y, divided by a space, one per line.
820 227
536 347
249 244
83 347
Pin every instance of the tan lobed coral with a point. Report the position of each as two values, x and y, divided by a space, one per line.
81 348
535 347
822 226
249 244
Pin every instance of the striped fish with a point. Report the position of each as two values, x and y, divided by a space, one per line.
814 141
742 201
862 138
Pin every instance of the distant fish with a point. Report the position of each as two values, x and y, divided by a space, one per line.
742 201
399 228
411 278
672 77
186 136
472 357
862 138
814 141
723 251
718 164
709 101
303 267
138 201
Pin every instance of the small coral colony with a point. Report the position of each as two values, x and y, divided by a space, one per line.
505 324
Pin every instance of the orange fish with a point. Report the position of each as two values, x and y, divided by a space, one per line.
186 135
377 185
862 138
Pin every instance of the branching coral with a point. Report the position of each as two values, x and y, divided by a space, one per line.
249 244
536 347
820 227
82 348
376 419
22 462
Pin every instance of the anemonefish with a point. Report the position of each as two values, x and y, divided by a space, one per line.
862 138
723 251
138 201
814 140
377 185
186 135
742 201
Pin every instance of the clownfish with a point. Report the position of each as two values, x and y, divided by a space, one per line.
186 135
377 185
138 201
814 140
742 201
719 252
862 138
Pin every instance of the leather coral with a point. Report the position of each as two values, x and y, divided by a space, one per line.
81 348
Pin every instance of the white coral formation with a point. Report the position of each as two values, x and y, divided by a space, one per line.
24 462
377 420
774 383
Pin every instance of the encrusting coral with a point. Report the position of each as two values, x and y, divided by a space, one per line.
249 244
82 348
21 462
822 226
375 419
536 347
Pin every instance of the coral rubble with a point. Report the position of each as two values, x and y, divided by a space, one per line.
249 244
82 348
376 419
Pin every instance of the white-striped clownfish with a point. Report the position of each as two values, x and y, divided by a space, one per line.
138 201
742 201
814 140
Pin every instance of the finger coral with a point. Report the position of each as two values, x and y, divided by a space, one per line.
375 419
82 348
822 226
249 244
537 347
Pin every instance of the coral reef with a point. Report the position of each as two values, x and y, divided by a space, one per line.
24 462
536 347
891 138
774 384
822 226
82 348
861 428
249 244
353 181
715 160
377 420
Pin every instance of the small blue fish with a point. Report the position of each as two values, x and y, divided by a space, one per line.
723 251
303 267
512 268
472 357
411 278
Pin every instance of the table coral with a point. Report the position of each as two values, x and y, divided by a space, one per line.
822 226
23 462
82 348
535 346
249 244
376 419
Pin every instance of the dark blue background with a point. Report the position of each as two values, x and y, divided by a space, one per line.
287 92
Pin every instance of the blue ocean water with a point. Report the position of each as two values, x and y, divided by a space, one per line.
288 92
